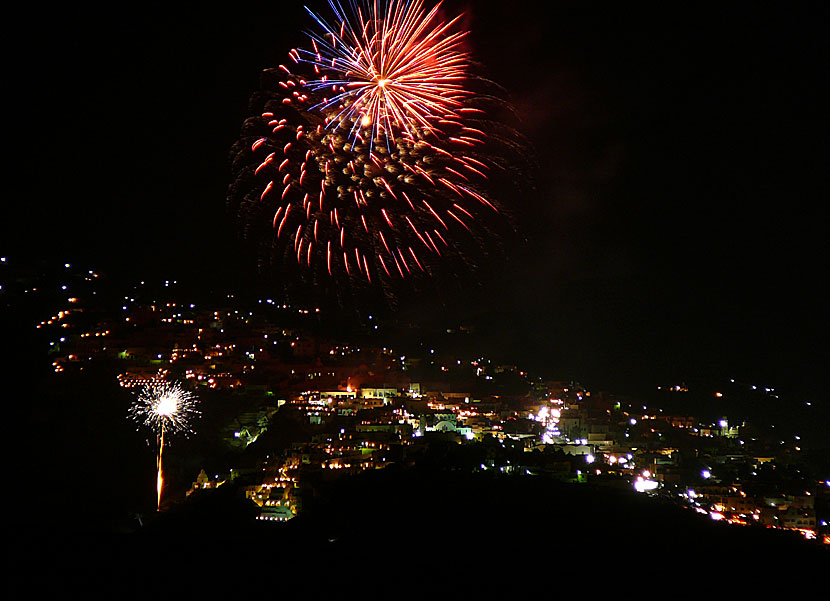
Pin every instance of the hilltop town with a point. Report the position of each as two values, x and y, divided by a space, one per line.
361 404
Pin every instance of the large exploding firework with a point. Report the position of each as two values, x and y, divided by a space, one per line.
371 153
164 407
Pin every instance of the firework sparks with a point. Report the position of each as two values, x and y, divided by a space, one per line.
369 158
164 407
392 66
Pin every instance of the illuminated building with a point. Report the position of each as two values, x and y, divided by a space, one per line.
275 511
141 377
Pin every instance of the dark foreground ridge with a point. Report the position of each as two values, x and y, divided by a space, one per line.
396 527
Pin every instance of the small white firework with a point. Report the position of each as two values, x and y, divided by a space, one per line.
165 407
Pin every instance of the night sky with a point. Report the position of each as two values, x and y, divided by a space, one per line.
678 229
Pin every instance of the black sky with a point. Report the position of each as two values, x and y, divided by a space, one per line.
679 228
